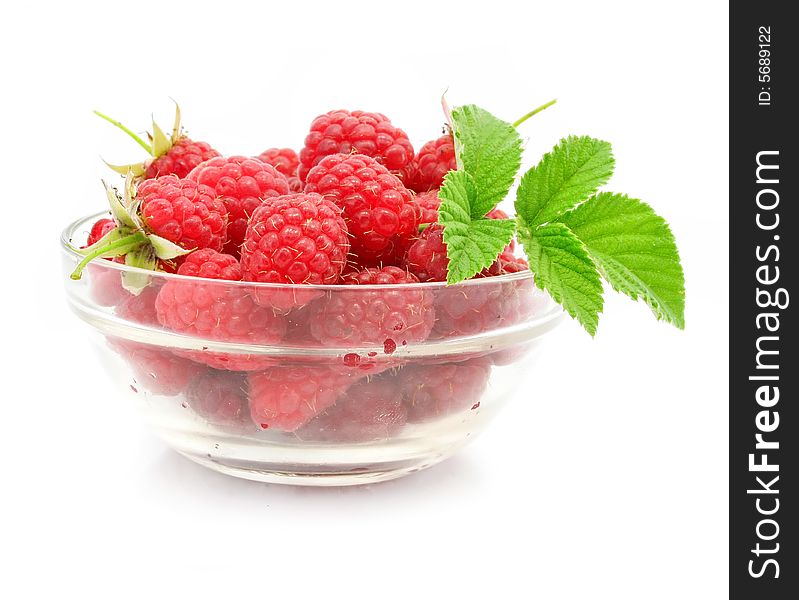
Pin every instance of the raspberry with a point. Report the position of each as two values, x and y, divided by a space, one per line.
217 311
99 229
434 391
379 210
427 256
242 184
392 317
298 238
428 203
173 155
183 211
287 397
368 411
344 132
139 308
285 160
432 162
219 397
156 370
180 159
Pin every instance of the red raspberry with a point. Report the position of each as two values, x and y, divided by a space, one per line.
368 411
428 203
285 160
298 238
219 397
287 397
180 159
434 391
379 210
343 132
392 317
139 308
433 161
99 229
154 369
242 184
427 256
183 211
217 311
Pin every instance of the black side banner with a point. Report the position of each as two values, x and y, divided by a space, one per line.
764 420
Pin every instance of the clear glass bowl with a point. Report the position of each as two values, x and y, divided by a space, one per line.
310 385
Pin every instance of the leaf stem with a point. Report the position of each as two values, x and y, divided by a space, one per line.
121 246
136 138
535 111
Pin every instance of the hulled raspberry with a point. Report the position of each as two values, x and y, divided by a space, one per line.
296 239
217 311
395 316
344 132
378 208
285 160
155 369
243 184
286 397
433 161
369 411
433 391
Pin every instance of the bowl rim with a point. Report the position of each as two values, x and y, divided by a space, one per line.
69 249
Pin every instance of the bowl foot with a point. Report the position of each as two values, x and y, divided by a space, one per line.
314 475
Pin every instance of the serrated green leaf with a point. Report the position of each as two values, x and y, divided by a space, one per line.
563 267
564 177
472 243
635 251
490 150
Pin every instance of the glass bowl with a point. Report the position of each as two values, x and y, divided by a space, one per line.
310 385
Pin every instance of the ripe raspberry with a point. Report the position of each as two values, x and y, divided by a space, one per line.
427 256
368 411
99 229
432 162
173 155
183 211
434 391
180 159
395 316
344 132
139 308
428 203
242 184
217 311
285 160
219 397
298 238
154 369
378 209
287 397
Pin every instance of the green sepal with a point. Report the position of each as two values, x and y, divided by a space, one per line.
164 249
141 258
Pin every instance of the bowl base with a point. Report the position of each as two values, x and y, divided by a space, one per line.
313 475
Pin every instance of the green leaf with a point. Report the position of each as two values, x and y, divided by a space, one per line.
564 178
472 243
635 250
563 267
490 150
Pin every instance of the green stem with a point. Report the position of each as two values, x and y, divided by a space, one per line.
117 248
533 112
137 139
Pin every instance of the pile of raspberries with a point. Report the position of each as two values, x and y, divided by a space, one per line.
356 206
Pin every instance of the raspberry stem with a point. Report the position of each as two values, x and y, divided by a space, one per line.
117 248
136 138
521 120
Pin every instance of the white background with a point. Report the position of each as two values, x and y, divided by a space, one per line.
605 478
